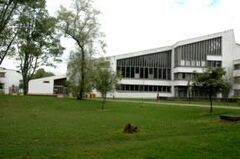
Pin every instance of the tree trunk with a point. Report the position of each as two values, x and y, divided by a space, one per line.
103 102
82 83
24 71
25 85
210 99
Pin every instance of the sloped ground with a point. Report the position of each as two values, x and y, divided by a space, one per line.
48 127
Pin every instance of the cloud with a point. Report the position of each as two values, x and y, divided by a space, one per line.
181 2
206 3
215 3
134 25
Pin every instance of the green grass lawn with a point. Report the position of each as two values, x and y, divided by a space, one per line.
49 127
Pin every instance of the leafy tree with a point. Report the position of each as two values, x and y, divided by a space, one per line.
9 13
105 78
211 82
81 24
40 73
74 74
8 8
37 43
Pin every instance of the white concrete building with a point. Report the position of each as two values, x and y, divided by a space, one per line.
9 80
168 70
53 85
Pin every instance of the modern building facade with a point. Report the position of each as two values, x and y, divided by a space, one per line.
169 70
9 81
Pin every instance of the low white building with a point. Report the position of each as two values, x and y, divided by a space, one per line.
9 80
53 85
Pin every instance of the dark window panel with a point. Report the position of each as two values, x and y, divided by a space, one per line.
146 72
132 72
155 73
141 72
127 72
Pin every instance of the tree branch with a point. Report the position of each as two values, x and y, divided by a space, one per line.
7 49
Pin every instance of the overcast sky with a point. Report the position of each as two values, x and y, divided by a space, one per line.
134 25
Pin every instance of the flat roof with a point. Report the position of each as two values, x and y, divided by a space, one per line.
166 48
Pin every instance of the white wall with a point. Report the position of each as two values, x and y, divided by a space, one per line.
41 87
38 86
12 77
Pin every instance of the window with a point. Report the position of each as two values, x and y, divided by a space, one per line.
183 76
145 88
2 74
127 88
164 88
137 69
164 74
146 66
214 63
236 92
141 72
237 80
150 71
155 73
237 67
132 72
123 72
146 73
150 75
128 72
198 63
169 74
1 86
195 53
218 64
193 63
150 88
131 87
136 87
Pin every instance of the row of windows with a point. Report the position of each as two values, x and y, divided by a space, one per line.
183 76
237 80
214 63
144 88
193 63
195 53
145 73
184 92
237 92
161 59
237 67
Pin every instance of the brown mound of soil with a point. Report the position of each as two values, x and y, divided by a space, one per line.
130 129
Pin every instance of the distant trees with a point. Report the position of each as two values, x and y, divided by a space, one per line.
37 42
81 24
40 73
211 82
105 78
